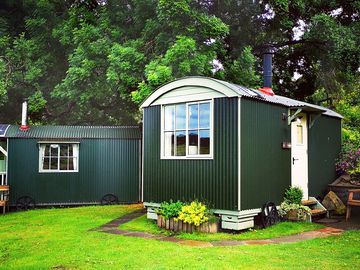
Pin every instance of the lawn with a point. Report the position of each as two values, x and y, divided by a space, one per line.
143 224
60 239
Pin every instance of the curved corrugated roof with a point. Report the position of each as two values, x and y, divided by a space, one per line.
281 100
75 132
233 90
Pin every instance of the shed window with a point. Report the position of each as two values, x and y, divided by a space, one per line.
58 157
187 130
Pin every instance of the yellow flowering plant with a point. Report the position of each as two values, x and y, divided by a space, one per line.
194 213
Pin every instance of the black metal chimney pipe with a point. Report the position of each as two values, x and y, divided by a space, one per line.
267 70
267 66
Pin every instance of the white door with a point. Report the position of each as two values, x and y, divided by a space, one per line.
299 154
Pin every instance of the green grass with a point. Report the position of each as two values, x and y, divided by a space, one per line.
142 224
60 239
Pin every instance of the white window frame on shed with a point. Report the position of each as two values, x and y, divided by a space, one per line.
186 129
54 144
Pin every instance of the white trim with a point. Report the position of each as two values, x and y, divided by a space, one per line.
187 156
300 154
58 171
187 94
7 162
2 150
190 81
76 154
54 142
239 153
242 213
142 159
150 204
4 135
140 169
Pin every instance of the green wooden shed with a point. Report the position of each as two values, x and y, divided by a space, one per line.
234 147
69 165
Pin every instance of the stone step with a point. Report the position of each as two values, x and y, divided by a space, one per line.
317 212
309 202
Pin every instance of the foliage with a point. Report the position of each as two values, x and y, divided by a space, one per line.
349 160
142 224
93 62
293 195
301 210
170 209
194 213
65 238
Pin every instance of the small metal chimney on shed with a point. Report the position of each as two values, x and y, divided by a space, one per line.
267 70
24 125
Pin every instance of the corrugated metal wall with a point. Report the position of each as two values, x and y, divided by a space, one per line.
214 181
324 148
105 166
265 166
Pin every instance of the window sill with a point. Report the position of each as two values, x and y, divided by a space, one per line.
58 171
189 157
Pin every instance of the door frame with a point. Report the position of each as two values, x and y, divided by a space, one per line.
305 133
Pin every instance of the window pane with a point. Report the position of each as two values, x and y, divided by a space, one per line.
180 143
63 164
169 117
46 163
204 115
54 150
299 134
180 116
169 144
193 142
54 163
64 150
71 163
193 116
205 142
71 150
47 150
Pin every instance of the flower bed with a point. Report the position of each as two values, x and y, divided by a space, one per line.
180 226
187 217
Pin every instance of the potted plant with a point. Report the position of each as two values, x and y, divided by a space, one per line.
291 208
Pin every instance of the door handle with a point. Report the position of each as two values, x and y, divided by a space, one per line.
294 160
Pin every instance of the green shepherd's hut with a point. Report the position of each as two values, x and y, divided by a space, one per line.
233 147
71 165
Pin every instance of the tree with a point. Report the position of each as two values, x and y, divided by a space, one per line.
94 61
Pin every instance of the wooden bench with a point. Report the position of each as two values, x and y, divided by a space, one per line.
4 196
352 202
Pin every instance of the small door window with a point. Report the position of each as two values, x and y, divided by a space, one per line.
300 134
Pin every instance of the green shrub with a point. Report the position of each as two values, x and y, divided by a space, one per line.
194 213
293 195
170 209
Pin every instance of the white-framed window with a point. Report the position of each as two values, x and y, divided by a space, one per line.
58 157
187 130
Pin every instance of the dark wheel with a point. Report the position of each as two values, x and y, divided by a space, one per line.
25 203
109 199
269 214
